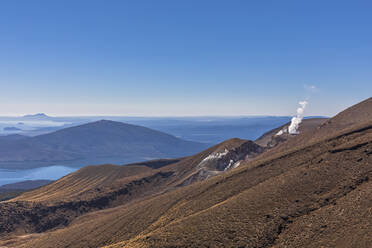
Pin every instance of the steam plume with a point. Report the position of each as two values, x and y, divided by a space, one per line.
296 120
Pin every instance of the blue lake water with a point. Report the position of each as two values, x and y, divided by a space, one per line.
50 173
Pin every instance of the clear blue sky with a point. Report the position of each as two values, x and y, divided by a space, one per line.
183 57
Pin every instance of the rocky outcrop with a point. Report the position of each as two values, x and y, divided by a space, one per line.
223 160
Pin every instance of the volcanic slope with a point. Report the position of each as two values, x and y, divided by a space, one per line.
95 188
315 130
316 194
92 181
271 139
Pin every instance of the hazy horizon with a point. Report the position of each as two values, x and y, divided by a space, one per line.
156 116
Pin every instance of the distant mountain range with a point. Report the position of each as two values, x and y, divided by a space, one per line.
212 130
24 185
9 191
37 116
106 141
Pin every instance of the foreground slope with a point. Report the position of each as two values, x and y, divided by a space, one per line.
316 194
96 188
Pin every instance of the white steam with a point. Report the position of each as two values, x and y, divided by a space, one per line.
296 120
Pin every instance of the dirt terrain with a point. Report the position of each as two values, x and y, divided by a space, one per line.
310 190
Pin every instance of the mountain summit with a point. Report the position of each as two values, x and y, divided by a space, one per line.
37 116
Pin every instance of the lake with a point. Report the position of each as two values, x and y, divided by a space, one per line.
50 173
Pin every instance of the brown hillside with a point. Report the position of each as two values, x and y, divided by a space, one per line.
357 114
82 183
320 129
307 125
91 181
315 193
101 187
261 204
